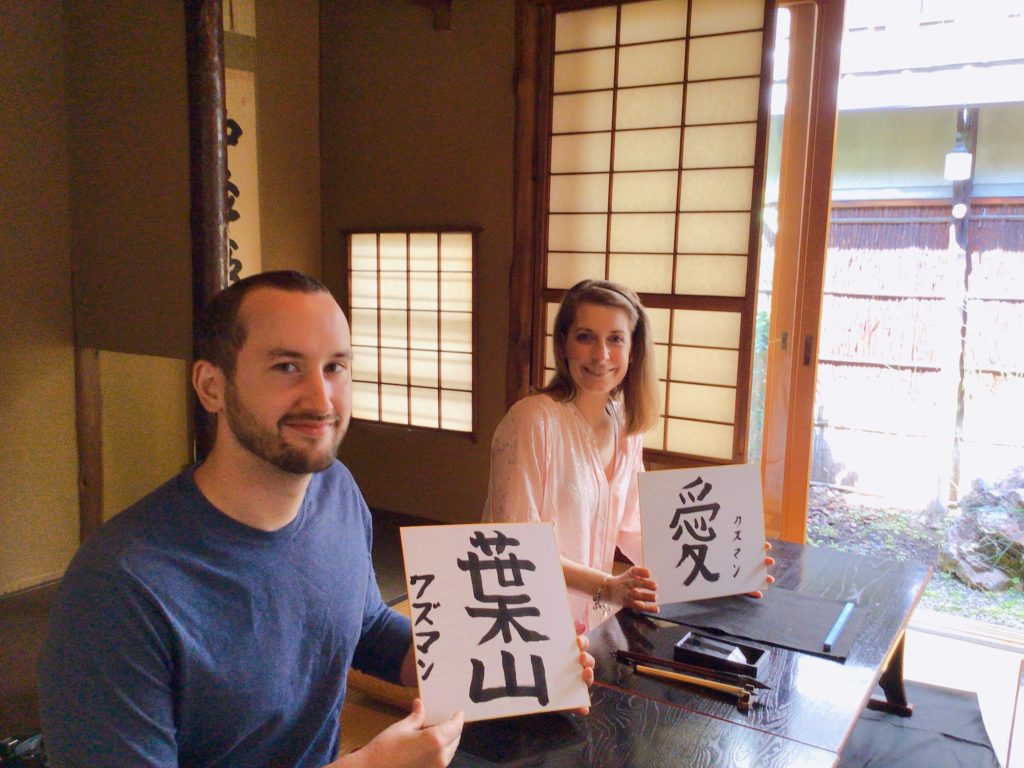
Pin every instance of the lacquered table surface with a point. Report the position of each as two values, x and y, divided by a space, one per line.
803 720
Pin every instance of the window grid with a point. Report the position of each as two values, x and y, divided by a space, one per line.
433 385
731 293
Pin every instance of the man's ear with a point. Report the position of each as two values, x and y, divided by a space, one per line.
209 382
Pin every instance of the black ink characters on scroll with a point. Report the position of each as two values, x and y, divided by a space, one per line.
694 517
507 612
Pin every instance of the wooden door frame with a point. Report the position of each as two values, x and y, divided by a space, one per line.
808 146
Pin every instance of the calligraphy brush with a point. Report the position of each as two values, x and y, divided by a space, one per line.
742 695
631 658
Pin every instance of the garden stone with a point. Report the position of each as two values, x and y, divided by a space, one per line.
960 557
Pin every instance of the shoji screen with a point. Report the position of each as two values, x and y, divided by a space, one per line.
655 125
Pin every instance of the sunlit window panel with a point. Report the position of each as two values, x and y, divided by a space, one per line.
661 363
364 252
714 233
722 101
422 252
652 63
710 17
423 368
394 404
456 332
394 253
654 438
393 330
364 363
567 269
654 106
705 328
456 410
456 370
577 232
661 320
725 56
423 405
456 252
363 290
423 330
457 292
654 20
584 71
365 400
585 29
411 305
580 153
702 275
642 232
697 401
648 150
579 193
550 312
719 146
422 290
643 272
576 112
364 327
723 189
704 366
393 290
394 366
642 191
699 438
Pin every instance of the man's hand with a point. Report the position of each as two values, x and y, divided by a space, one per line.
408 743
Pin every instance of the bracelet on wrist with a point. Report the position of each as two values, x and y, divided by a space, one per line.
600 604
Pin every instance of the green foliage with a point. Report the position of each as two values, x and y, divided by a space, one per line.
947 594
758 376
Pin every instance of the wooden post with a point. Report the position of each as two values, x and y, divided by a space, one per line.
966 126
521 273
204 43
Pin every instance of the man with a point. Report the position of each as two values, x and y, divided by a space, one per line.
214 621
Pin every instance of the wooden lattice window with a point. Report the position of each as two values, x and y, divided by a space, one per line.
651 133
411 311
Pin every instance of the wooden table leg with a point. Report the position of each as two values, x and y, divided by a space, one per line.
891 682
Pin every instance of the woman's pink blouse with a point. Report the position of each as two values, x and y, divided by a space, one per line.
545 467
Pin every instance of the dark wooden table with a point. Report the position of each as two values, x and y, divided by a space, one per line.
804 720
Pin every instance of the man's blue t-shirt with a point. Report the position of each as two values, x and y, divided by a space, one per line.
182 637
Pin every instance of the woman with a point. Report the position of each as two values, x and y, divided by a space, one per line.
570 454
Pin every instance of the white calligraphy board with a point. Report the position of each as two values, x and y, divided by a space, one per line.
703 531
492 630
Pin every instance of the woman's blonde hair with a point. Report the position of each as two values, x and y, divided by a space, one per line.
639 388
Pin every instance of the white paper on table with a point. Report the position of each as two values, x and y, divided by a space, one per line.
705 526
510 576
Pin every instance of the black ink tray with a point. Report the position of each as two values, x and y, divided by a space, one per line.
724 655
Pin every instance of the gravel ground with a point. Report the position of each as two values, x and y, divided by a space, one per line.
857 524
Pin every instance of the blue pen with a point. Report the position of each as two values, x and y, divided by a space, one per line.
837 628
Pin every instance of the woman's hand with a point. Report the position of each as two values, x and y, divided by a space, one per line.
769 579
587 664
632 589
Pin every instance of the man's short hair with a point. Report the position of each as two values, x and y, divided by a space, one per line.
220 334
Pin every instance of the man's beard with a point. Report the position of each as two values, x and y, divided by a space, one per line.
270 446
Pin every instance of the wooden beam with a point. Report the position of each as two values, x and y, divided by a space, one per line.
204 43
